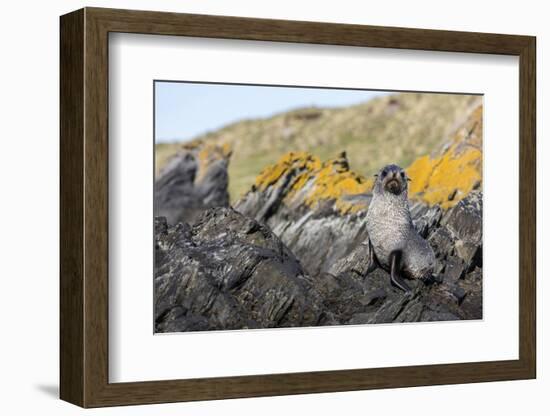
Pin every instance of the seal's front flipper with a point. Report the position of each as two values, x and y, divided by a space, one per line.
395 264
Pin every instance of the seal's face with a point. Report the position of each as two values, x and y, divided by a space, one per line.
392 179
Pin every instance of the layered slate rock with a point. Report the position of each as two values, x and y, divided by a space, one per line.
229 272
192 181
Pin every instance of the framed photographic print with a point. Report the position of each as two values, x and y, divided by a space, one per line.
256 207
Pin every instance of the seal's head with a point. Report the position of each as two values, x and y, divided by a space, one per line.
391 179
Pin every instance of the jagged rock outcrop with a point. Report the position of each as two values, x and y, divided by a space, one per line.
192 181
229 272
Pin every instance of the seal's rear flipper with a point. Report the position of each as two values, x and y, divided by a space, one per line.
396 280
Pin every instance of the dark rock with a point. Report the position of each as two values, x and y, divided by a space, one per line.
389 311
375 296
229 272
412 312
359 261
464 220
183 192
454 270
459 293
442 242
475 275
425 218
429 315
472 304
212 186
175 189
360 318
349 298
469 252
322 242
438 269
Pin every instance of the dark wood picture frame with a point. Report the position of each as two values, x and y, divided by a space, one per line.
84 207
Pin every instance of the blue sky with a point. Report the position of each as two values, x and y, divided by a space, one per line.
186 110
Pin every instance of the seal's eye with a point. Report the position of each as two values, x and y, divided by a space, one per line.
384 173
403 174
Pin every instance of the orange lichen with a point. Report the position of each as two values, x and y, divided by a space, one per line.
309 182
299 163
453 178
333 181
419 173
449 177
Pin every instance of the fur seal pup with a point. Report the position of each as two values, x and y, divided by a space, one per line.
397 245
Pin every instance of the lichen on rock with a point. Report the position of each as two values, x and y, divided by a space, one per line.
301 180
454 172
